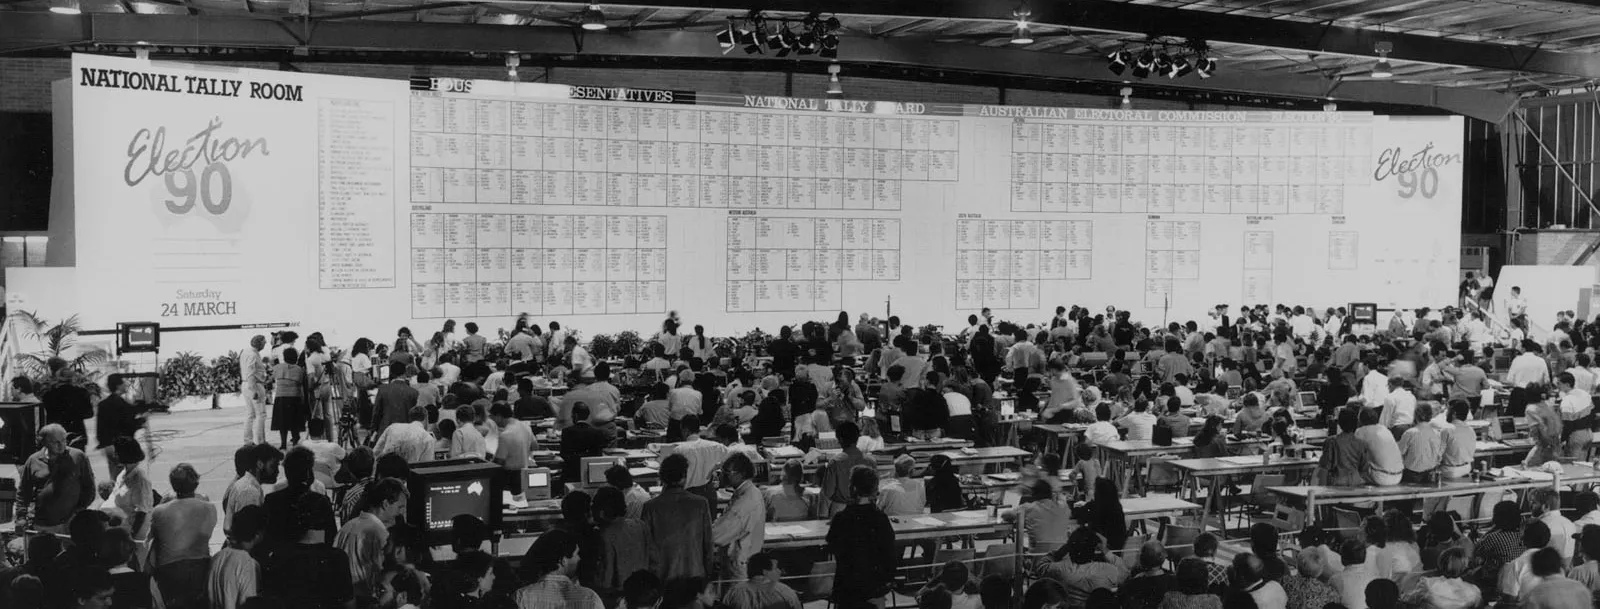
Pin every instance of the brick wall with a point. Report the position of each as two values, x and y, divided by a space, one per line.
25 84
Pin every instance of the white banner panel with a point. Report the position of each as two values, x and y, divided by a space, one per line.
219 197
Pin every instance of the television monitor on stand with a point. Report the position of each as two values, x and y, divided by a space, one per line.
442 490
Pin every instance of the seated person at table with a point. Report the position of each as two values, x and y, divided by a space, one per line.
1421 447
659 360
741 412
1382 464
1046 517
955 581
529 405
902 495
1344 456
1180 388
1102 432
655 412
763 590
1210 442
1084 565
1046 466
1088 469
768 422
1214 403
1139 423
814 423
1104 514
789 501
1175 419
1351 582
1252 417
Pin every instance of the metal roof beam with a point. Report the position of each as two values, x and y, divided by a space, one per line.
1139 19
375 36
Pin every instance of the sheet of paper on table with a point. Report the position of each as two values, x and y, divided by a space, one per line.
928 520
1241 460
786 529
1529 474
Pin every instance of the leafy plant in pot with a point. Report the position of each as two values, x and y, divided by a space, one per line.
58 341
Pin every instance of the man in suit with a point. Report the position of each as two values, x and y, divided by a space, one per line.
395 399
579 441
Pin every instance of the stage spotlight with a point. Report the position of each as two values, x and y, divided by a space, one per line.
829 44
1180 68
754 41
1163 64
594 19
1146 61
725 37
1118 61
1205 67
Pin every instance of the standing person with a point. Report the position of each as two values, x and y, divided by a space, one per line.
554 564
234 576
621 545
1517 307
474 343
677 525
835 476
1549 589
308 573
56 483
364 538
253 388
862 541
115 418
66 403
410 440
516 443
704 457
260 465
1527 376
289 407
741 529
395 400
180 536
298 476
132 495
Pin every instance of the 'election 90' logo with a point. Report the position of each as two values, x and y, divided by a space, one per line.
196 178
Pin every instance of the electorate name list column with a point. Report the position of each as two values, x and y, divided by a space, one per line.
355 194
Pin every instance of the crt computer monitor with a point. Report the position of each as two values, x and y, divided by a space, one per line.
442 490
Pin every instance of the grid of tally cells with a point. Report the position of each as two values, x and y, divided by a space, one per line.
999 263
582 153
1240 169
487 264
801 264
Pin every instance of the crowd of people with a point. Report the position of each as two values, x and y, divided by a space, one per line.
332 531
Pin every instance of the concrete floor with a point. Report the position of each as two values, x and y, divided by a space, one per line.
205 439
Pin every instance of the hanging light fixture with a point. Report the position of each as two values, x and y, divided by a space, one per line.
1330 106
65 7
513 60
593 18
1118 61
1382 69
1020 34
1127 97
1180 68
1146 61
834 87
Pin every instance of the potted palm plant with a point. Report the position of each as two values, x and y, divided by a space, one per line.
28 342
